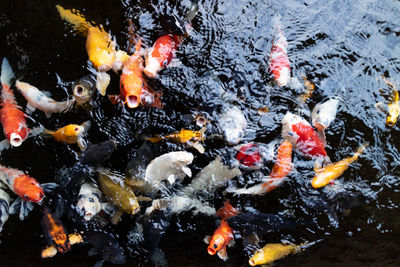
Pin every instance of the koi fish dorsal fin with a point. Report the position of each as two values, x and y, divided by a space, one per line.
74 17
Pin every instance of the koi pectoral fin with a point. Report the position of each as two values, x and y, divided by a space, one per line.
5 144
222 254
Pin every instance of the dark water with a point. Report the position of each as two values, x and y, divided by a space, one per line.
342 46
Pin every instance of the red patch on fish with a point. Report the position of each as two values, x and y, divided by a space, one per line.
279 61
308 141
249 155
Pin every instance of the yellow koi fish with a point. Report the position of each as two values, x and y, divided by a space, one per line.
184 136
325 175
392 110
272 252
71 134
100 47
310 87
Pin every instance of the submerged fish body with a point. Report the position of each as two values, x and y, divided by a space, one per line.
105 245
11 116
232 123
177 204
279 64
55 232
21 184
161 54
37 99
327 174
89 204
96 154
300 133
272 252
169 166
4 208
117 192
83 89
173 24
211 177
281 168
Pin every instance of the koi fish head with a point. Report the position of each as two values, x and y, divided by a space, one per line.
73 130
131 89
16 138
393 114
28 188
217 243
323 114
257 258
83 89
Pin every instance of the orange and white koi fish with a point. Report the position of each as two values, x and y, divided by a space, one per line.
71 134
161 54
100 47
279 64
281 168
392 110
56 235
11 116
133 87
21 184
223 235
327 174
39 100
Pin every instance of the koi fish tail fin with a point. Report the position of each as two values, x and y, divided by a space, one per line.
22 207
362 147
192 12
47 132
6 73
134 38
276 22
74 17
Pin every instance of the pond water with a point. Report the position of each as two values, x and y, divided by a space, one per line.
342 46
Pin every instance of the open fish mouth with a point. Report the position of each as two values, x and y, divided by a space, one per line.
15 140
132 101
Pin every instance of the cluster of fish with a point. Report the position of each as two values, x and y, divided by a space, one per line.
98 196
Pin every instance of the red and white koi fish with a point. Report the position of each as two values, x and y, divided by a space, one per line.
11 116
279 64
302 135
22 184
282 167
161 54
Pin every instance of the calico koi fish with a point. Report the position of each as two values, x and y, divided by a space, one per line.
322 116
301 134
327 174
280 170
279 64
11 116
392 110
272 252
38 99
100 47
56 235
21 184
71 134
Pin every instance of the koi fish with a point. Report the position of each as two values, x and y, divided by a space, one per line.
193 138
310 88
227 211
55 232
280 170
11 116
161 54
83 89
215 175
232 124
300 133
121 195
38 100
71 134
179 204
89 204
325 175
169 166
252 155
393 108
322 116
100 47
21 184
222 237
279 64
4 208
272 252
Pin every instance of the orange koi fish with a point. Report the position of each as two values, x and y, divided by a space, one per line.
223 235
71 134
281 168
327 174
100 47
22 184
11 116
392 109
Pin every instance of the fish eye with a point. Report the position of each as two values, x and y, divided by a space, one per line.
318 111
26 197
91 199
215 246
